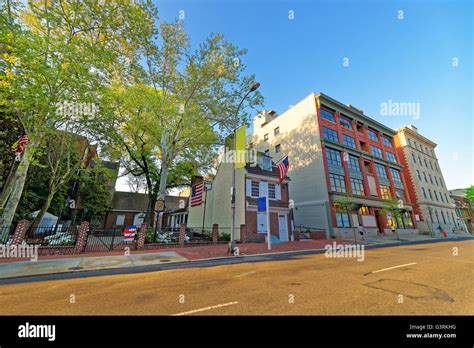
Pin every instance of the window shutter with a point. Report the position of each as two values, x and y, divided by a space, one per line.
248 187
263 189
278 192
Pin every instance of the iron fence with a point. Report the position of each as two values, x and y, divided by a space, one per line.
101 239
56 235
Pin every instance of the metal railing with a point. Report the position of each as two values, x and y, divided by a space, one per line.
108 239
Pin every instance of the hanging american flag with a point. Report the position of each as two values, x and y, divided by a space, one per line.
283 166
196 194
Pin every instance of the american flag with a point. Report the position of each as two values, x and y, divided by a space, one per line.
196 194
283 166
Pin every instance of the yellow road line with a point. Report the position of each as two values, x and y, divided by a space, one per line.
207 308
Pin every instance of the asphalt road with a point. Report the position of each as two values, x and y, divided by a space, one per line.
422 279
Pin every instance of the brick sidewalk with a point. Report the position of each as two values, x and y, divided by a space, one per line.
206 252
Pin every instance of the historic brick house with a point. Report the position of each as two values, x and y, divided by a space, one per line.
252 181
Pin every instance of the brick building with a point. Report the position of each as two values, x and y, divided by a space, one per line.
337 153
252 181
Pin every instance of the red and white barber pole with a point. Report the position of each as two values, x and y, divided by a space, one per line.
129 233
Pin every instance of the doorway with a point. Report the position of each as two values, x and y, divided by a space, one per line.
283 227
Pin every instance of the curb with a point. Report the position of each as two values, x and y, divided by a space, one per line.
189 263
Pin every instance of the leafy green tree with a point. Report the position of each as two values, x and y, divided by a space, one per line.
346 205
470 193
94 193
55 51
195 96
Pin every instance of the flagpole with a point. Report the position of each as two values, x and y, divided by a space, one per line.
281 159
232 239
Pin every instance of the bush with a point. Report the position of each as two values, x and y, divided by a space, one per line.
224 236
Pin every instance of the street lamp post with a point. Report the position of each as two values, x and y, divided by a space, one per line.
232 226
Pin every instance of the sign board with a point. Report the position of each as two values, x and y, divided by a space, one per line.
262 215
129 233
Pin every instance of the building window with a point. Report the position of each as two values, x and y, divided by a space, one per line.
342 220
419 160
345 123
429 192
376 151
416 145
385 192
391 157
337 182
348 141
424 175
395 175
436 181
265 137
387 142
441 197
271 191
364 210
400 194
418 174
431 179
413 156
436 195
277 148
353 163
426 163
333 157
431 165
255 189
276 131
330 134
357 186
409 142
380 170
267 164
120 220
442 215
372 135
327 115
424 192
267 152
446 196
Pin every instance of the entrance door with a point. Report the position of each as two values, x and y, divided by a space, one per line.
283 227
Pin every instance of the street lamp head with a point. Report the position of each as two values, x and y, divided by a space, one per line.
255 87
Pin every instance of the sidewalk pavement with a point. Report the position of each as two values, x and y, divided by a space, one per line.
57 264
11 268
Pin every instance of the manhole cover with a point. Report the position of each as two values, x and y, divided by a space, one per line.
75 268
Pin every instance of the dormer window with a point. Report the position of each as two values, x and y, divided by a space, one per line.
267 163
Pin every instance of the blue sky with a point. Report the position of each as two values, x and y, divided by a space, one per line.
405 60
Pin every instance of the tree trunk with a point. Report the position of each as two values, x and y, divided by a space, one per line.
8 187
43 209
18 180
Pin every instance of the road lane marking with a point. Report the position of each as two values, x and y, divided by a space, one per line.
206 308
244 274
389 268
